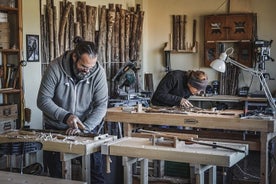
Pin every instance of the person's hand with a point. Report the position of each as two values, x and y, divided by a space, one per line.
72 131
185 103
73 121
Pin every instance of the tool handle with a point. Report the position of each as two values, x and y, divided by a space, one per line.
108 162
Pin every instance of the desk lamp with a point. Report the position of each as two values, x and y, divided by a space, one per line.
219 65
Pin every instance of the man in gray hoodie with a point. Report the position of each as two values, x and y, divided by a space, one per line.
74 92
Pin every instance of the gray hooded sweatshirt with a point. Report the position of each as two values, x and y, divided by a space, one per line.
59 95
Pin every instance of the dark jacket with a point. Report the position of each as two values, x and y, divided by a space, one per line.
171 89
59 95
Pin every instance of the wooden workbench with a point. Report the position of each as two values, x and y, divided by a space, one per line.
266 127
17 178
70 147
247 101
201 156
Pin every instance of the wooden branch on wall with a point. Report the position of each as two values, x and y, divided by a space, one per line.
110 24
102 37
127 33
133 35
118 38
139 31
63 21
122 36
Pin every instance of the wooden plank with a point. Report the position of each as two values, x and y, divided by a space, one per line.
194 120
197 154
15 178
71 144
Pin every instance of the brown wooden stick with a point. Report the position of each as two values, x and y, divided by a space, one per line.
127 33
63 21
102 37
51 33
139 33
122 36
133 37
110 25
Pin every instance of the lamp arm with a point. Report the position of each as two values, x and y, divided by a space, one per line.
245 68
267 92
262 80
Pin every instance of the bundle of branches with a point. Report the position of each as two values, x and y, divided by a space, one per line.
118 36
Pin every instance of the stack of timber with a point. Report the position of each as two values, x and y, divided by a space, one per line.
118 36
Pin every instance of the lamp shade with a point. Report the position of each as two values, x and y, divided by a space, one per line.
218 65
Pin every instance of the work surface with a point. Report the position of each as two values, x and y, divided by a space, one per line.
16 178
228 119
227 98
189 153
266 127
57 142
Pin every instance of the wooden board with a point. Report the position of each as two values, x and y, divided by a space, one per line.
196 154
17 178
195 120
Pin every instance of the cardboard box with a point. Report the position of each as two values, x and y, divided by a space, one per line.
4 37
4 45
8 111
7 125
5 31
4 25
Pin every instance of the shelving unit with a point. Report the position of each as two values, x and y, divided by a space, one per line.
225 30
11 93
168 51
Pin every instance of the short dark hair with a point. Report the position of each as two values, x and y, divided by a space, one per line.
82 47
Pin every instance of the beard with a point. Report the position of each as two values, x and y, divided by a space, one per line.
78 74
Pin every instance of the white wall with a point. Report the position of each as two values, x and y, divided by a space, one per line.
157 27
31 72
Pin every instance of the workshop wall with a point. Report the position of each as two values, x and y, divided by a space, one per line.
157 27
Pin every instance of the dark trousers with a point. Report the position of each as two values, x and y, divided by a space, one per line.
54 165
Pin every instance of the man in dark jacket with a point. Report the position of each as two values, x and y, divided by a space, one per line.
177 86
74 92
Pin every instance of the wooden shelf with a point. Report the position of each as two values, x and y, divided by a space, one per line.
9 90
9 50
8 9
11 54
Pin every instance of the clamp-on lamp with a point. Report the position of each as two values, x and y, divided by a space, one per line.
219 65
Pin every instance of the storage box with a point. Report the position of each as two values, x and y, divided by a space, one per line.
7 125
3 17
4 25
4 37
8 111
4 45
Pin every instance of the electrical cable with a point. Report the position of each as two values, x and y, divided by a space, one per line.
245 173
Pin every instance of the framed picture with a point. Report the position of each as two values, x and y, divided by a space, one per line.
32 45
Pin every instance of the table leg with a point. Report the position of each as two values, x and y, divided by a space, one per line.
128 127
144 171
199 173
86 168
264 156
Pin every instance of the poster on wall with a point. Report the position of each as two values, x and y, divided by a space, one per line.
32 45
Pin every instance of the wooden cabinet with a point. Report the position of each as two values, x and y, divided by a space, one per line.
10 61
230 30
